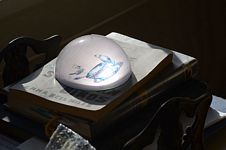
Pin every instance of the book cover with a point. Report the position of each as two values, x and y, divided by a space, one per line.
43 90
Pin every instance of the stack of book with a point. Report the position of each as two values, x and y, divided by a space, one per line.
42 98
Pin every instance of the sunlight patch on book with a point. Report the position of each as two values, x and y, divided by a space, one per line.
47 87
43 83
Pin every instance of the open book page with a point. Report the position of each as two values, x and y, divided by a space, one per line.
143 59
43 83
178 58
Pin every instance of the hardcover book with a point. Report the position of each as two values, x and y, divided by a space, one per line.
26 96
40 91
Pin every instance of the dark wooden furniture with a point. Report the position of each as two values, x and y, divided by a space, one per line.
172 120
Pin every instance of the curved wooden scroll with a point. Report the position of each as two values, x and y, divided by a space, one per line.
16 62
167 129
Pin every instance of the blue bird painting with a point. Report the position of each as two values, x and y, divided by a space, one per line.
102 71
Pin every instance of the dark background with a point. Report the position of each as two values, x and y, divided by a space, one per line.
195 27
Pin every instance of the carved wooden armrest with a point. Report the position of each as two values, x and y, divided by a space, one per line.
172 120
16 63
178 123
15 56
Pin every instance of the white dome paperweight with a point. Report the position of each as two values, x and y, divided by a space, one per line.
92 62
